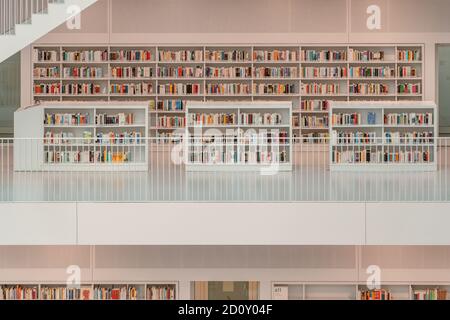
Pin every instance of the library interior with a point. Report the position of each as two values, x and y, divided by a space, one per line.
224 150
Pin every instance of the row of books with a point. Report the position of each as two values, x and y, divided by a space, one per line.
82 88
409 55
407 71
218 155
411 118
371 72
156 292
161 293
228 72
181 55
323 55
85 56
45 55
18 293
378 294
212 119
275 72
365 55
169 105
378 156
131 72
314 105
67 118
320 88
408 137
357 156
409 88
180 72
260 119
114 138
46 72
167 137
58 138
308 55
271 136
131 55
179 88
140 88
368 88
86 156
354 118
274 88
228 88
120 293
324 72
275 55
343 137
314 138
314 121
47 88
227 55
430 294
171 122
83 72
87 138
120 118
64 293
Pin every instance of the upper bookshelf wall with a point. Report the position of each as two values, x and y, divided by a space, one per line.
307 75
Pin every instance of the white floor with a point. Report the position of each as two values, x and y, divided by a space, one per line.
309 181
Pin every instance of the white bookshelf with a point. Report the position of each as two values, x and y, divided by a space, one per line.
247 59
86 291
95 146
244 146
388 143
282 290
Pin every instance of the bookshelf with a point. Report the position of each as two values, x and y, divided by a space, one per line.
93 291
81 137
238 136
304 74
383 136
354 291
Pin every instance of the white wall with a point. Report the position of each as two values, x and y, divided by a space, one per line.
418 264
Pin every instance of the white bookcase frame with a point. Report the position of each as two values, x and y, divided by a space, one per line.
282 107
29 149
383 108
297 97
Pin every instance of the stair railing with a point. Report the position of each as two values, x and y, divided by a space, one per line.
14 12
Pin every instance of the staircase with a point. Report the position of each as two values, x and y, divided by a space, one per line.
24 21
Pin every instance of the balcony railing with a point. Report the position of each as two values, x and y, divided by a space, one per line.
13 12
146 170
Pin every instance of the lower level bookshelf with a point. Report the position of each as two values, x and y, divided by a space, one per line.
355 291
112 291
